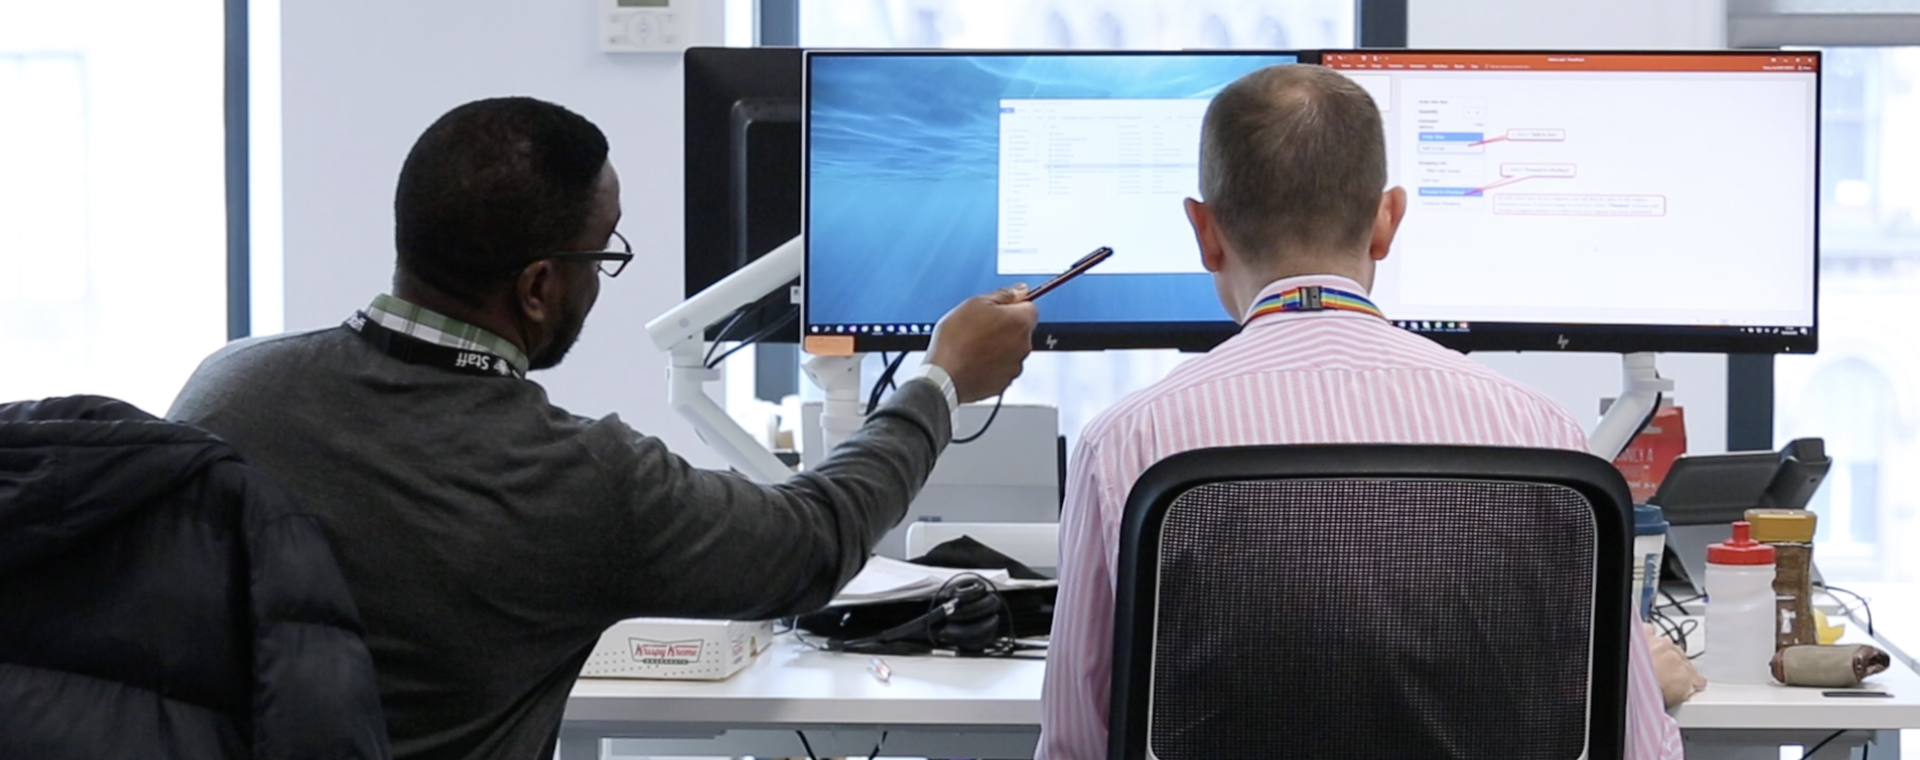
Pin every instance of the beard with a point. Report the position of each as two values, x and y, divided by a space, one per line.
563 341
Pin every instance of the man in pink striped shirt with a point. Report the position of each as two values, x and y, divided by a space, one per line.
1292 162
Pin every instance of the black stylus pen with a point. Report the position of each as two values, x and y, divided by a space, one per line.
1079 268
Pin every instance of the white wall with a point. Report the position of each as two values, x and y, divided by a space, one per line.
1579 381
362 78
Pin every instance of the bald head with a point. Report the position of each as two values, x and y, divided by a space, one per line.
1292 163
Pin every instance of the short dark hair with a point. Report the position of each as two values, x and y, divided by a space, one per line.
1293 157
490 187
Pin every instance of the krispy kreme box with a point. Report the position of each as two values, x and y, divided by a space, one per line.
671 648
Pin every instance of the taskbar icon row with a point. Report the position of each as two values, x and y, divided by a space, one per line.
1777 330
918 328
1430 326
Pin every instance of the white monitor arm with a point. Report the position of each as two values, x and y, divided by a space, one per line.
681 332
1641 386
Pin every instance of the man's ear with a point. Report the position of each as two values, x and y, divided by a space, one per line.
1386 222
1206 232
537 291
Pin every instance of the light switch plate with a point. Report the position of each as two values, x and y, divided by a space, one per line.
645 26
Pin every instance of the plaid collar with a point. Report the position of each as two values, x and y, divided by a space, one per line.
433 327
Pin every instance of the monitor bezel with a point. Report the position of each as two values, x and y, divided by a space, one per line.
1058 336
1481 336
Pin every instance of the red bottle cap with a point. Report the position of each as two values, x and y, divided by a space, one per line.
1742 550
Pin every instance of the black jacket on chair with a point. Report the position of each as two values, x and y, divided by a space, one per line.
161 599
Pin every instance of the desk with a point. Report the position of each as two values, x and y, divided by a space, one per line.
934 705
1748 721
1738 721
947 707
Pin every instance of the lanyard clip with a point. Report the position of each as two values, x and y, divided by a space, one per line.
1310 298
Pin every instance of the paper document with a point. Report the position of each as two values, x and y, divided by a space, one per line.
890 580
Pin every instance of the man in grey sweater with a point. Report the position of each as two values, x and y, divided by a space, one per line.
489 536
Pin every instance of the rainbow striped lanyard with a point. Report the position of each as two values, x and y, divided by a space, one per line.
1313 298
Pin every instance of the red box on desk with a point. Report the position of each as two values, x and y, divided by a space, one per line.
1647 459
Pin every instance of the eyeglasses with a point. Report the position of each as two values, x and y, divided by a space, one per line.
612 263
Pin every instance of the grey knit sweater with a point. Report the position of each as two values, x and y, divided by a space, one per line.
489 537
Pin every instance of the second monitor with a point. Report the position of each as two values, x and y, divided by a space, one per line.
1600 201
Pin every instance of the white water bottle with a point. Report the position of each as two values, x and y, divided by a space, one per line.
1740 611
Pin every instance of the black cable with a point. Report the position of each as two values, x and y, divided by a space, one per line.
1679 604
873 394
1660 620
1648 422
1847 609
983 428
885 381
1658 399
756 337
1823 743
721 337
877 745
1676 631
807 744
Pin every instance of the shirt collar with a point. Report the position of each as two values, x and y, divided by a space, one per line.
1300 281
416 321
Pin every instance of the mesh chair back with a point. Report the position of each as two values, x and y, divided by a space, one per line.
1384 615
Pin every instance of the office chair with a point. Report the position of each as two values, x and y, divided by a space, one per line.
1373 601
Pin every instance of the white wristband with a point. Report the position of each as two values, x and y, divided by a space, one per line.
942 380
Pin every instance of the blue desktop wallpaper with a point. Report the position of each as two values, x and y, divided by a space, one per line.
902 193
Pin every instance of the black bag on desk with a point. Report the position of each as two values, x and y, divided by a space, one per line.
960 619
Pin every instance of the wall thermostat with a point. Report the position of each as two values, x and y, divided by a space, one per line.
643 26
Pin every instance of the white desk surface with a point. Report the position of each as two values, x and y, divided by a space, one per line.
1735 706
792 685
1773 706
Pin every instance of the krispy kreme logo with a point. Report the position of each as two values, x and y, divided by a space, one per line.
665 652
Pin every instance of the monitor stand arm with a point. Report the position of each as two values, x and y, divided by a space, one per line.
687 377
682 332
1641 388
843 412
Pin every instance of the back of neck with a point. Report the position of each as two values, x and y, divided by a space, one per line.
487 316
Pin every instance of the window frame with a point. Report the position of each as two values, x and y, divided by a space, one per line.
238 168
1776 24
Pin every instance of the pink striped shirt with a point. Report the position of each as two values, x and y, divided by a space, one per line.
1293 377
